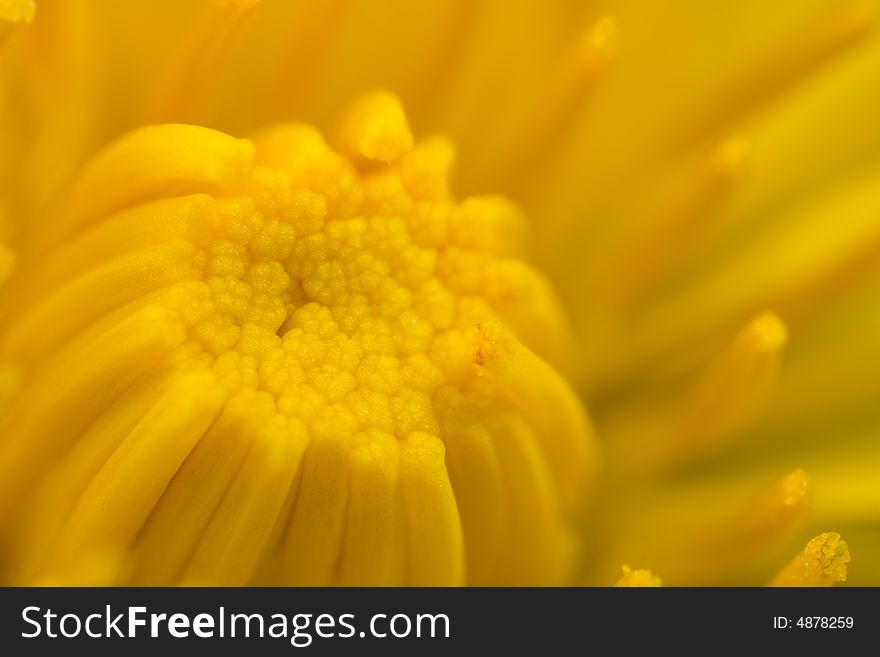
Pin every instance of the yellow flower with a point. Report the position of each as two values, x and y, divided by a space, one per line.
295 358
267 361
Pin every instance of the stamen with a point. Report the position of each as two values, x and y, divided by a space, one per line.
821 289
375 128
770 517
727 398
304 51
677 228
822 563
755 528
640 578
544 132
789 62
203 60
435 80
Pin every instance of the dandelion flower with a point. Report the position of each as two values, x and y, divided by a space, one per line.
258 329
269 360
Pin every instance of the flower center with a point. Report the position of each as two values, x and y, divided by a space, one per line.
279 362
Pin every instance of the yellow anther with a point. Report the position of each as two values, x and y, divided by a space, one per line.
770 517
728 396
375 128
639 578
822 563
757 527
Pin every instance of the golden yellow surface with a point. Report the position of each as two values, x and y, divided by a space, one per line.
439 292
